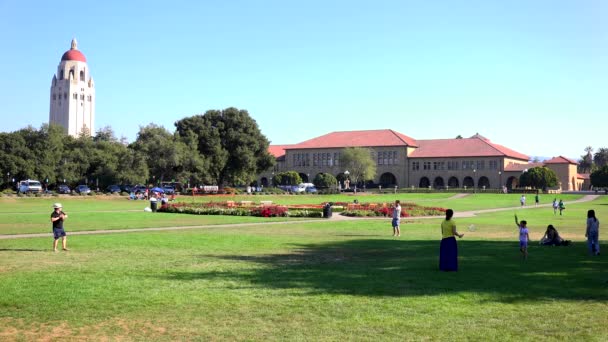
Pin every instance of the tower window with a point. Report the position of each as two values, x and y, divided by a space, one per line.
54 97
82 75
61 75
65 96
75 96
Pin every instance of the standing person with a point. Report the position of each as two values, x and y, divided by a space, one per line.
561 206
523 236
536 199
555 206
448 249
593 233
522 200
396 218
57 217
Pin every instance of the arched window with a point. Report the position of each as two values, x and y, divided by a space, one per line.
388 179
424 182
483 182
82 75
453 182
512 182
468 182
438 183
61 74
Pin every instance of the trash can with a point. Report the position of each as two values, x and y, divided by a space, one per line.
327 211
153 204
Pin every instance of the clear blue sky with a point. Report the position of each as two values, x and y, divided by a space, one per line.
530 75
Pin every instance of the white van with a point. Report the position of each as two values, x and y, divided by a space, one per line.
30 186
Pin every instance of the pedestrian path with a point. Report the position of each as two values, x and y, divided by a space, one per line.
334 218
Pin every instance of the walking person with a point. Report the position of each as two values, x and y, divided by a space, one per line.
593 233
396 218
448 249
536 199
524 237
522 200
555 206
561 206
57 218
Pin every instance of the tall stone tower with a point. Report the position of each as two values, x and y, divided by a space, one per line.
73 94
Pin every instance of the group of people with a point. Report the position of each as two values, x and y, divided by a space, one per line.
448 249
556 205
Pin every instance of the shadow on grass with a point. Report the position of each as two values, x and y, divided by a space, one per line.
410 268
22 250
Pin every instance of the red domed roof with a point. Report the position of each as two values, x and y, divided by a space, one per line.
73 55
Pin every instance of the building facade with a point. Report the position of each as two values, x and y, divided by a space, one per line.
402 161
72 98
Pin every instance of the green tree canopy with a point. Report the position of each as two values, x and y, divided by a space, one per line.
325 180
230 140
359 163
287 178
599 177
539 178
600 158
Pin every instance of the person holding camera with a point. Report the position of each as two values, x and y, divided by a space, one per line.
57 218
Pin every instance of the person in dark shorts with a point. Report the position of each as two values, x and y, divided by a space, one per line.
57 218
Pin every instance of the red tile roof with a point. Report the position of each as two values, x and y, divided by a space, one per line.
277 150
521 167
476 146
583 176
560 160
370 138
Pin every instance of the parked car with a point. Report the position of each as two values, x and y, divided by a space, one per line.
169 189
82 189
113 188
30 186
139 189
63 189
311 189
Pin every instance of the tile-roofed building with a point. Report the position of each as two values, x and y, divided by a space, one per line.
419 163
368 138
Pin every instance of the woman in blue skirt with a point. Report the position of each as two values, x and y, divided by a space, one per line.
448 250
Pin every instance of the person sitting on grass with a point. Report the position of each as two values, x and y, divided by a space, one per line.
551 237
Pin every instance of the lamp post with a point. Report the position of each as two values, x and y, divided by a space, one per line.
474 176
500 179
346 180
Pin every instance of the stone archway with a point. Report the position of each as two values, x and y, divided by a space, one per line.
424 182
438 183
304 177
264 182
483 182
468 182
388 179
453 182
512 182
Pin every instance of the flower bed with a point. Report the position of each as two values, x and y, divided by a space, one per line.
407 210
303 210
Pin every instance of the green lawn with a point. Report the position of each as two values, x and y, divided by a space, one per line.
323 280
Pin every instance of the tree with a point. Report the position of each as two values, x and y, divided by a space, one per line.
232 144
601 157
599 177
359 163
585 164
538 178
287 178
325 180
163 151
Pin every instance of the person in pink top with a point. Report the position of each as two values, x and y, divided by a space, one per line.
523 236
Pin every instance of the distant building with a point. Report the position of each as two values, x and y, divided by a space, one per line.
72 99
405 162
